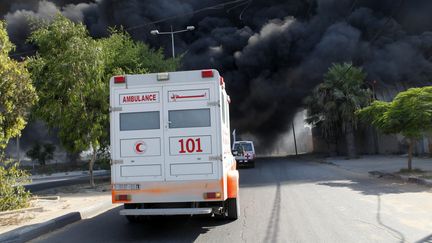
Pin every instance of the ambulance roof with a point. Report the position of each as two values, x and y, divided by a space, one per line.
167 77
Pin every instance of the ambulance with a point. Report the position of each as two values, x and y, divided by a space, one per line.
170 145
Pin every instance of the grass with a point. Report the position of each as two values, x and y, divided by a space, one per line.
55 168
413 171
416 173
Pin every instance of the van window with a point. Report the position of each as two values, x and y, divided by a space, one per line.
245 146
139 121
189 118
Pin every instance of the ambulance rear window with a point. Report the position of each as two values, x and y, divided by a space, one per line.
189 118
139 121
246 146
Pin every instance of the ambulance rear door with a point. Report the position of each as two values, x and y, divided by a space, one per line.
138 125
191 151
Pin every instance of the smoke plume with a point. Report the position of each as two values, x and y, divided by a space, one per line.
271 53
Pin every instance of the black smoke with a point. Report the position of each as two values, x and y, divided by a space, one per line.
271 53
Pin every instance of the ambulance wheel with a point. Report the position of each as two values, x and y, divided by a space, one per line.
233 208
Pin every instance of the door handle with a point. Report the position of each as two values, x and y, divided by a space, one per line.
168 124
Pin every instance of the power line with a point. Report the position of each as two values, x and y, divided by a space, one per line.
216 6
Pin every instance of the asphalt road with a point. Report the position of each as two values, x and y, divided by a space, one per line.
285 200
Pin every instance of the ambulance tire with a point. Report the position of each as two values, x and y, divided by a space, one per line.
233 208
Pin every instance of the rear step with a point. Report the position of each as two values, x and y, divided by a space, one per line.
166 211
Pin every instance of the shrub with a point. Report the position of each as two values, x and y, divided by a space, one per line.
42 153
12 192
103 159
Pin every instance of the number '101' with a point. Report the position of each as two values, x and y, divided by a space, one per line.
190 146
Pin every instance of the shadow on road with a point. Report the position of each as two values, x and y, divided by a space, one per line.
173 228
273 224
427 239
111 227
270 172
397 234
287 171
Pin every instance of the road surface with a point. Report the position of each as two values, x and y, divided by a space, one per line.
285 200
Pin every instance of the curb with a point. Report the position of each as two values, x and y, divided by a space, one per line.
29 232
409 179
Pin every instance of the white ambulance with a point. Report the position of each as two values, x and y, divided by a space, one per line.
170 145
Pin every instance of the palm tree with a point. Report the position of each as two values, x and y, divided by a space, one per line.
333 103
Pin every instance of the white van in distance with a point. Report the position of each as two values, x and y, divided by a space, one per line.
170 145
244 152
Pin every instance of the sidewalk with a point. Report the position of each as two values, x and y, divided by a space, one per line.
64 175
53 209
387 165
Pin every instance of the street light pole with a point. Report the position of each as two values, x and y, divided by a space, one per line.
156 32
172 43
294 135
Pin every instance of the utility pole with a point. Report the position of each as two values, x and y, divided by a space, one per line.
156 32
172 43
294 135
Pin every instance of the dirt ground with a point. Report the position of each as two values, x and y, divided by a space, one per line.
53 203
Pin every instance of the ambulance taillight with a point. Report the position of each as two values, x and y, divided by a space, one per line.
207 73
119 79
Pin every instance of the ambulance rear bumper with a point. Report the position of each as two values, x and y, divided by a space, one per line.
166 211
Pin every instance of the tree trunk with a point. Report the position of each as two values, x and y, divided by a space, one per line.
430 145
410 153
73 158
350 140
91 164
331 148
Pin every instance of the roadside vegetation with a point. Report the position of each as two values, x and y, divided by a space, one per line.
42 153
66 85
333 103
409 114
17 95
71 71
342 100
12 192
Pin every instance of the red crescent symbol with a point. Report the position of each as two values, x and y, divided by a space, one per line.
137 148
140 147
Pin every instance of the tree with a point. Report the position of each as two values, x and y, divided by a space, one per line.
68 73
42 153
333 103
17 93
71 72
410 114
123 55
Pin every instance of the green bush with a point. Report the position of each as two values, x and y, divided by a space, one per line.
103 158
12 192
42 153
